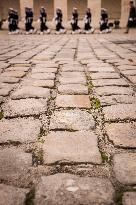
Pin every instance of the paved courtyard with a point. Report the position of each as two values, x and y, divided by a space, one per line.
68 119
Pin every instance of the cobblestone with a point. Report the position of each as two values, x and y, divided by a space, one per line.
68 105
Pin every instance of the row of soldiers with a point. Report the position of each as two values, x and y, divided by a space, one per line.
13 20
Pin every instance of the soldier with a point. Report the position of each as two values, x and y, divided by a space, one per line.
104 27
87 19
11 20
74 21
132 17
29 20
58 19
43 19
16 18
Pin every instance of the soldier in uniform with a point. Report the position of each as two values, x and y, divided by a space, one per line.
104 27
43 19
16 17
29 20
58 20
74 21
132 17
87 19
11 21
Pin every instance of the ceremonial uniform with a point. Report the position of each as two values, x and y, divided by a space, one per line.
43 19
74 20
104 27
29 20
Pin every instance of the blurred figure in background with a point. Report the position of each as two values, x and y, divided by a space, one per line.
132 17
104 27
87 20
43 20
74 22
58 20
29 21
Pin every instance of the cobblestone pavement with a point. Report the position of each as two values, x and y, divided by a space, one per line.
68 119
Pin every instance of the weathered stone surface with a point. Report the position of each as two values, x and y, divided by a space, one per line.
25 69
5 91
115 99
72 68
126 67
14 162
72 74
1 99
43 76
10 195
113 90
19 130
125 168
107 82
129 72
71 120
121 111
129 198
132 79
9 79
73 101
122 134
73 89
71 147
104 75
31 92
44 70
24 107
74 190
39 83
16 74
97 68
73 80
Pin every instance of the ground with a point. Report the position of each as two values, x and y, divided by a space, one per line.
68 119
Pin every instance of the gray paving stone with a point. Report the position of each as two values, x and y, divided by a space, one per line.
72 89
104 75
74 190
24 107
109 82
120 112
24 69
72 74
132 79
129 198
5 91
19 130
125 168
73 101
113 90
16 74
14 163
126 67
76 147
115 99
71 120
43 76
9 79
72 68
31 92
122 134
10 195
44 70
38 83
129 72
97 68
73 80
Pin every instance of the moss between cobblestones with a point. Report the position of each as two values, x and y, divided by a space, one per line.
1 115
95 102
104 157
30 197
